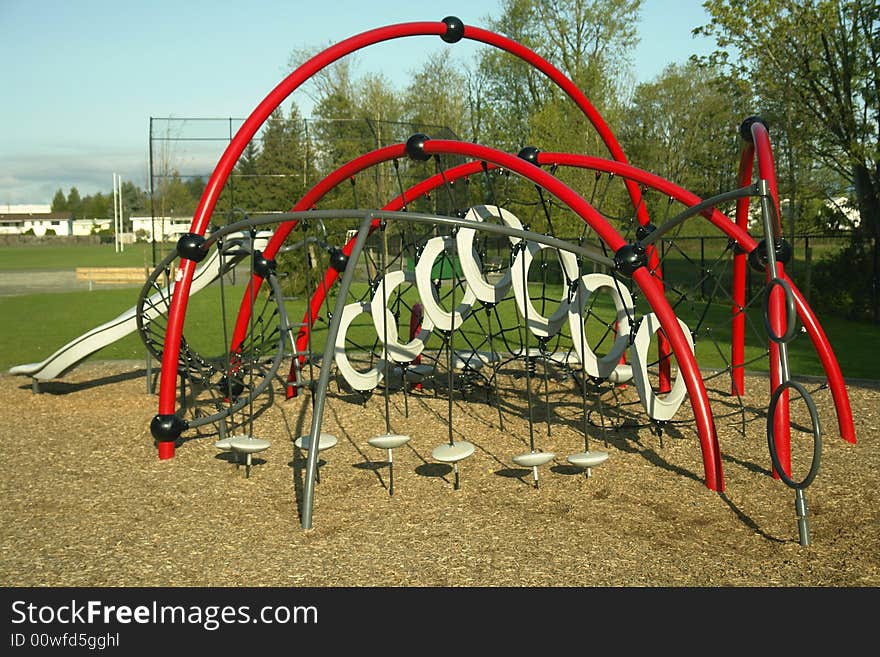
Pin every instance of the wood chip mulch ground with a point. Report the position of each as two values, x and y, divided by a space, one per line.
86 502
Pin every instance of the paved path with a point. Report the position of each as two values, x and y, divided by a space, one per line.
14 283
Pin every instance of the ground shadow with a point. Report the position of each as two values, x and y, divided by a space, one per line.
433 469
513 473
66 388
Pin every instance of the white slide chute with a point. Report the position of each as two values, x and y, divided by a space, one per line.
78 349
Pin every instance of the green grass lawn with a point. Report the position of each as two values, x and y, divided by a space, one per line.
51 257
33 326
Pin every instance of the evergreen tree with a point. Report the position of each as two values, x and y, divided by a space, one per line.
59 202
74 203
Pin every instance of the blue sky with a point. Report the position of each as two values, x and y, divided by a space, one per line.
80 79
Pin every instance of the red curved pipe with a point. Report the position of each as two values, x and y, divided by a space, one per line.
738 233
776 308
692 378
829 361
740 271
177 309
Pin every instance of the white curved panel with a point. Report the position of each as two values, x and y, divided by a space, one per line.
443 320
588 285
386 325
471 266
657 408
543 327
358 380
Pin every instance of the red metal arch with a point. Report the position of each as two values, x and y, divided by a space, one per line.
248 129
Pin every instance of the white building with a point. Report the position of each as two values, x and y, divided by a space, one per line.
167 228
19 223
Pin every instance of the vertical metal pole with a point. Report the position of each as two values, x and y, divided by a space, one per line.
326 364
121 216
703 268
152 209
115 219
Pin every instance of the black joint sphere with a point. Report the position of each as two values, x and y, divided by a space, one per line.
232 387
529 154
630 257
643 231
191 247
167 428
262 265
415 147
454 29
745 128
758 257
338 260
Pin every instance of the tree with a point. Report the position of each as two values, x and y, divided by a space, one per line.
434 97
683 126
74 203
97 206
243 181
59 202
818 61
590 41
281 162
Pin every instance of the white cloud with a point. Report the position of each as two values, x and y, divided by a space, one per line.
35 179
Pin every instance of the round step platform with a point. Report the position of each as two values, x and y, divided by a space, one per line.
418 372
224 444
326 441
588 459
453 453
248 445
621 374
388 440
533 459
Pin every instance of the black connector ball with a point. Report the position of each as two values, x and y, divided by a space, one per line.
745 128
262 265
338 259
167 428
529 154
415 147
231 387
630 257
758 257
192 247
454 29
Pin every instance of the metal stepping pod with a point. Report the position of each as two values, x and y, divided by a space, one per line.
588 459
453 451
243 444
534 458
389 440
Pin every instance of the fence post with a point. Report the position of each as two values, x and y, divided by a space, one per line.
808 267
703 268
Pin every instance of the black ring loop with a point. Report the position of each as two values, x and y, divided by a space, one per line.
790 312
817 434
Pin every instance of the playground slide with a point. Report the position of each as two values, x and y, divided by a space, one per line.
78 349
